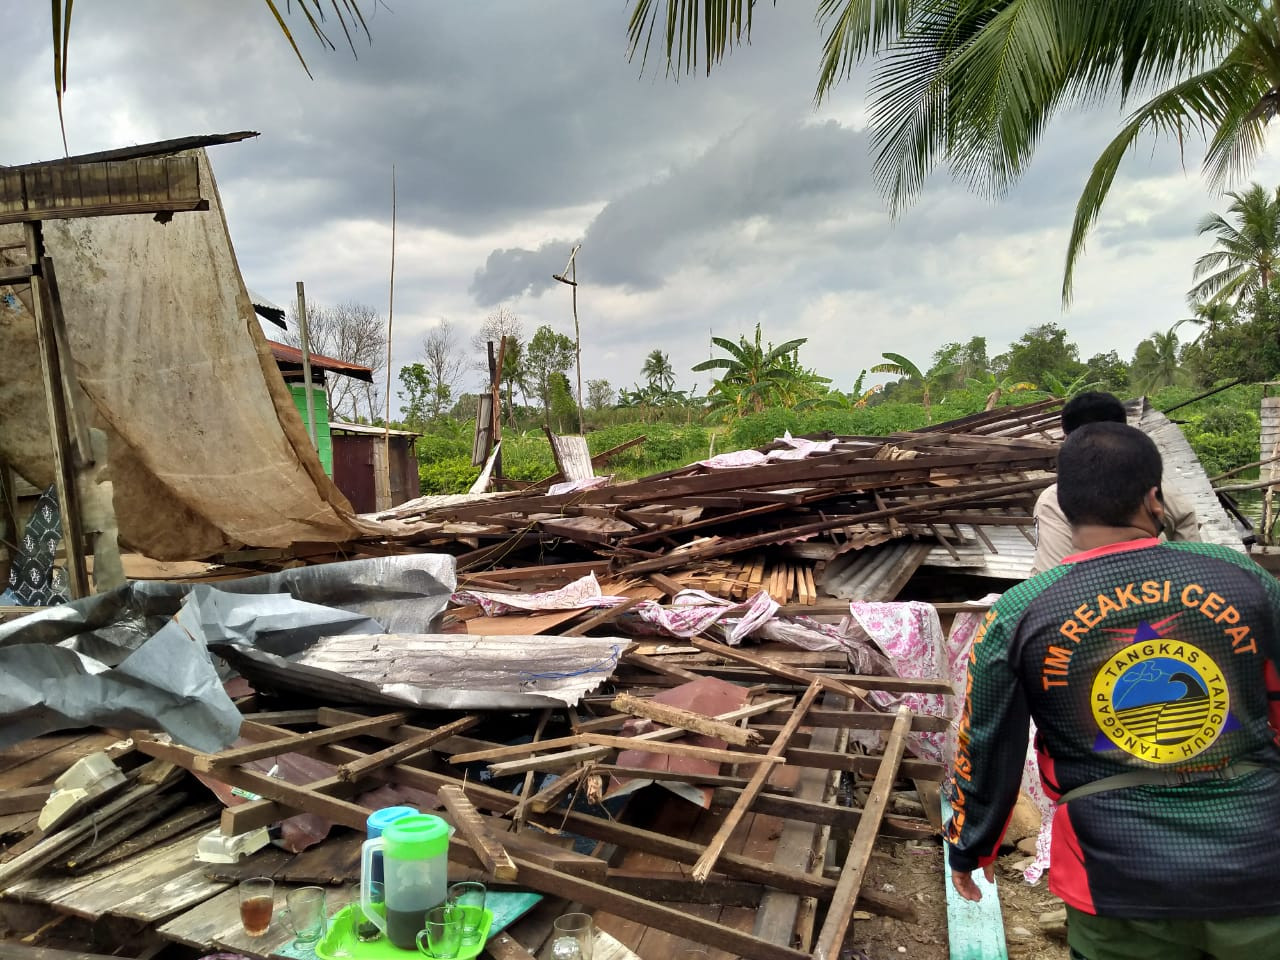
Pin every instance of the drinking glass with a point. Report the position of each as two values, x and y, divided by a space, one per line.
366 931
257 898
306 914
443 933
572 937
467 900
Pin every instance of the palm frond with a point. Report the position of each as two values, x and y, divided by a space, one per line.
1184 108
855 28
716 25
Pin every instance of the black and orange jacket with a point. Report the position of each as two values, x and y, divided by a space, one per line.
1139 656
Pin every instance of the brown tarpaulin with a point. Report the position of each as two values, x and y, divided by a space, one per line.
207 452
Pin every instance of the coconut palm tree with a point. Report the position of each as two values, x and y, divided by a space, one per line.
1210 317
657 372
1247 252
973 84
1155 362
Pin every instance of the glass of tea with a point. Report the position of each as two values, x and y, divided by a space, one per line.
257 897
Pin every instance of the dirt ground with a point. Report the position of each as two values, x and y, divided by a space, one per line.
914 871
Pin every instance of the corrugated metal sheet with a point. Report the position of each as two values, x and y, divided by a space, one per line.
292 356
1184 475
873 573
1011 561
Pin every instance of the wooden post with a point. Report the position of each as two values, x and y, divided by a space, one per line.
310 415
840 911
56 406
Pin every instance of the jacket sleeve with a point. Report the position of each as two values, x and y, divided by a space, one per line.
991 748
1053 533
1180 520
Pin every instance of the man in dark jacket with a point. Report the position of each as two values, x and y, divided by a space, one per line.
1142 664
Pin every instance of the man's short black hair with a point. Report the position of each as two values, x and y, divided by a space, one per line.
1092 406
1104 471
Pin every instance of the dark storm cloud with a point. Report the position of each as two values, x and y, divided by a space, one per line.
772 168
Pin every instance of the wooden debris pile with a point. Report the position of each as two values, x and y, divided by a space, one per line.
768 770
777 525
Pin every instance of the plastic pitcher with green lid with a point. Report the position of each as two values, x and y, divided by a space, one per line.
415 857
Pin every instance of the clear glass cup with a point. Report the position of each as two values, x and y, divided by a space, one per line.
443 933
572 937
365 930
467 899
257 900
307 914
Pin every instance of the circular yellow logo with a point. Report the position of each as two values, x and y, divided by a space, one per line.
1163 701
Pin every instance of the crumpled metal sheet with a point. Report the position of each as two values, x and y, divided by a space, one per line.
442 671
127 658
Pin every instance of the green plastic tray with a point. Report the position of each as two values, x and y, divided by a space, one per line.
340 943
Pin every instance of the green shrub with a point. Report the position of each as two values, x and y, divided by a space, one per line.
447 475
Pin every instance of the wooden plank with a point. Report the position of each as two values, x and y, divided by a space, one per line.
853 719
584 754
218 762
706 863
93 894
656 915
302 798
201 926
685 719
95 186
785 917
122 183
153 179
13 195
184 178
471 825
600 619
975 929
684 750
105 210
50 847
777 669
840 911
816 812
23 799
15 950
662 669
56 408
405 749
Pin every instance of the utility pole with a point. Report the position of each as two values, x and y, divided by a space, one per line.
305 341
570 276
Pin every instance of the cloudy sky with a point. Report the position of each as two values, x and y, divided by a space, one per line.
518 127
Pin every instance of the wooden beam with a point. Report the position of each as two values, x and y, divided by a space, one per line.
777 669
840 911
684 750
706 863
218 762
23 799
585 754
299 797
406 749
471 825
600 619
686 719
51 374
657 915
